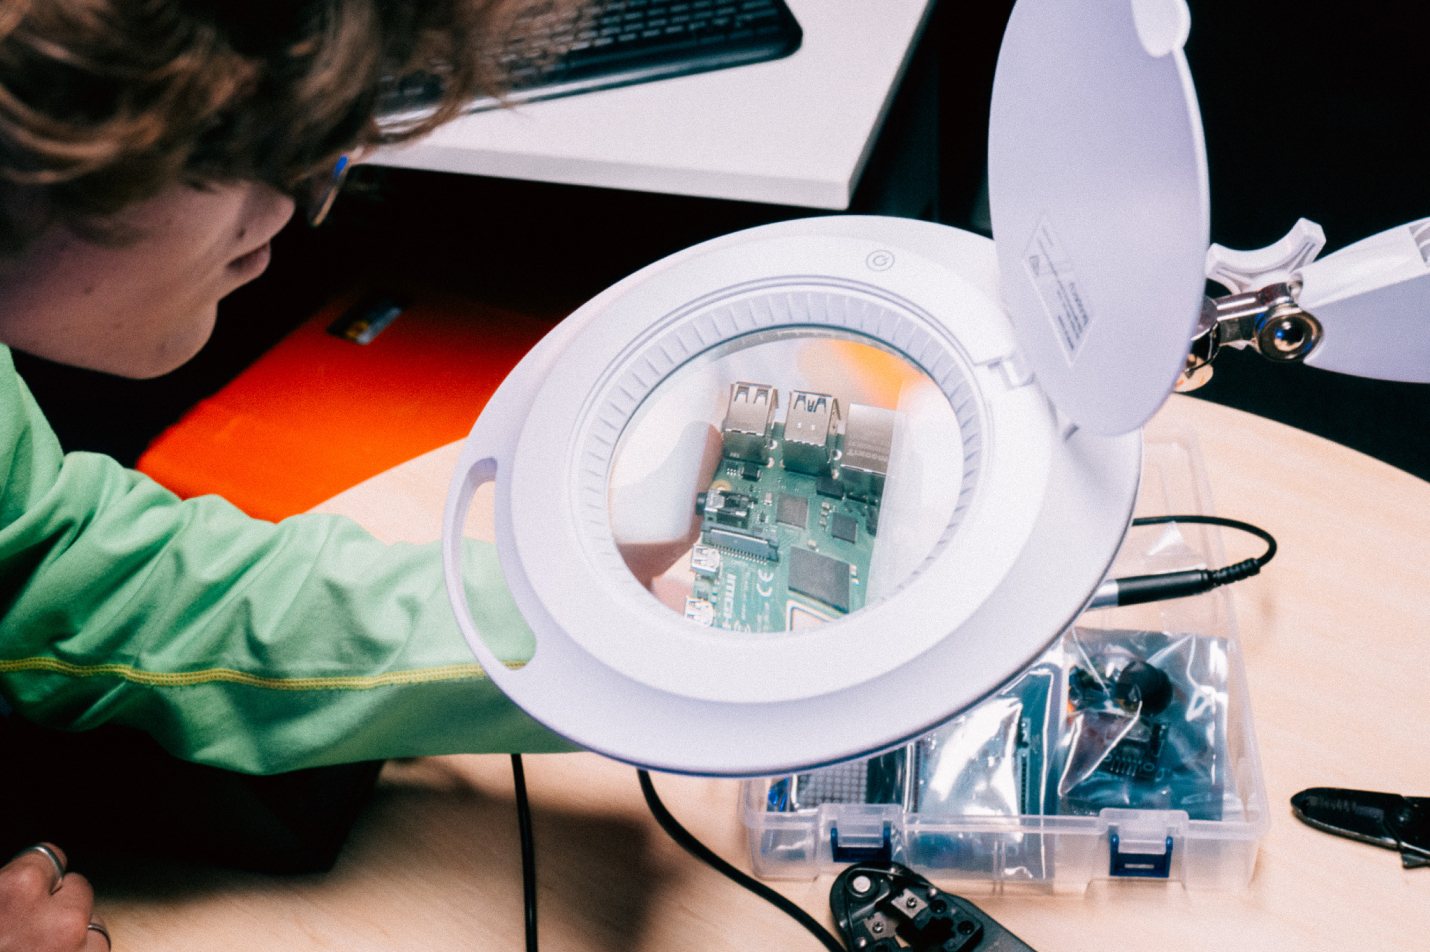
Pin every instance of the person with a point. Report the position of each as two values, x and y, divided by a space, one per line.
44 906
149 152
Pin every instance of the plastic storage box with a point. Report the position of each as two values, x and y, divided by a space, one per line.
991 817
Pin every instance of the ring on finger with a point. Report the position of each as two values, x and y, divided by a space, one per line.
49 853
96 926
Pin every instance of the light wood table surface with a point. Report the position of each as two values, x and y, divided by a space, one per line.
1336 635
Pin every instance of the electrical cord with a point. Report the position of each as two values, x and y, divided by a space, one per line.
1136 589
703 853
528 851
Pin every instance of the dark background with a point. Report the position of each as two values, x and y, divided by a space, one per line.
1309 111
1316 111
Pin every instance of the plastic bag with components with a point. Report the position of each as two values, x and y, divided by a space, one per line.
1146 727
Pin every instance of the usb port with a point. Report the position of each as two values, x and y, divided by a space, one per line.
809 430
747 420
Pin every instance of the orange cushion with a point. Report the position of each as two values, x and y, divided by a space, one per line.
318 412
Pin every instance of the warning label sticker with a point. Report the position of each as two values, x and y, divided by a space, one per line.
1051 272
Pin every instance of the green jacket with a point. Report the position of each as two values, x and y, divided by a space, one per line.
250 645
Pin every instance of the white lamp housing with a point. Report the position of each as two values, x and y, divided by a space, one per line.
1046 350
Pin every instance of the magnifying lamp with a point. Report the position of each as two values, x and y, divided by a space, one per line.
803 492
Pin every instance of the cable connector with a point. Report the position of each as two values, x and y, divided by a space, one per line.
1138 589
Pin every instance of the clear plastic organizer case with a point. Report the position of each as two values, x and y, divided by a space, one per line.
1126 752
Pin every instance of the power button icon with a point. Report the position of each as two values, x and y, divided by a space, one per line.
880 260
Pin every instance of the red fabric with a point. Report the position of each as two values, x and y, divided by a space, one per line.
318 413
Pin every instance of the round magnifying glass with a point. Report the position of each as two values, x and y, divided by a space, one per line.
803 492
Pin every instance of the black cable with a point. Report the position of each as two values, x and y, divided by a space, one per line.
1257 531
1150 588
702 852
528 851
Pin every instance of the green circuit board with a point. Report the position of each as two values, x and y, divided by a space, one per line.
786 535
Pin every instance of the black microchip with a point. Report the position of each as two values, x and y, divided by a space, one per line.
792 511
844 527
751 471
820 577
829 486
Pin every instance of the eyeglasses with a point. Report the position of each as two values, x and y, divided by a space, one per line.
324 191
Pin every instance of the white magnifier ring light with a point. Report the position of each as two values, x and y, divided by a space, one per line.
801 493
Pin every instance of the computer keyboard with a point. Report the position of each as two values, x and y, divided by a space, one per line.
621 42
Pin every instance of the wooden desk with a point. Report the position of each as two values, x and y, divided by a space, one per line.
1337 642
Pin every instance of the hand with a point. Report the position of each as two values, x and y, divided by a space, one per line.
43 908
654 520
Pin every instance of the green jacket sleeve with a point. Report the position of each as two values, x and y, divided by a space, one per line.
250 645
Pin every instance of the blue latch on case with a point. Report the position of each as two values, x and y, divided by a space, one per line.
880 852
1139 865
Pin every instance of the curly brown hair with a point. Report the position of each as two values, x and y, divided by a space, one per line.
106 102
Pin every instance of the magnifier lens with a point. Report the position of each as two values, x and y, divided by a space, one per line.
785 479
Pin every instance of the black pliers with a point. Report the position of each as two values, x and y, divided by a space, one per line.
1384 819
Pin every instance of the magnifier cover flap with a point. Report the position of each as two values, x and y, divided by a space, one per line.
1099 201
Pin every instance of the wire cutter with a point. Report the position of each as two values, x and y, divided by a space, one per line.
1384 819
